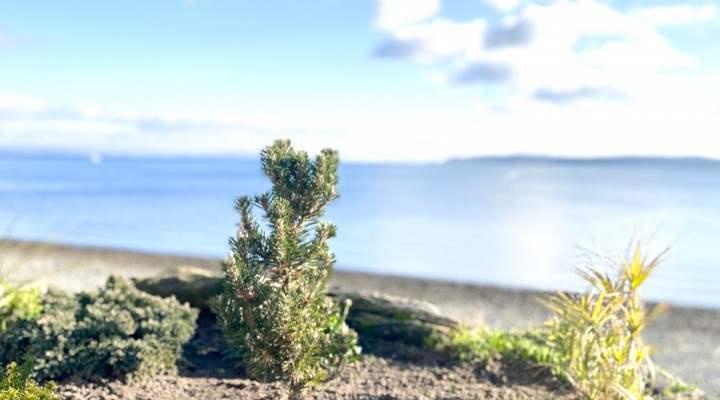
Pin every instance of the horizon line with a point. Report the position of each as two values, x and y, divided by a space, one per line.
96 156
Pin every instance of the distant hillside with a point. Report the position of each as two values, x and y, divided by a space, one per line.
540 160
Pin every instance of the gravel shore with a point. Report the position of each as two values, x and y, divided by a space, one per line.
687 340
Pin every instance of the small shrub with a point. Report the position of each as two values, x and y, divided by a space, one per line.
598 333
16 384
274 308
117 331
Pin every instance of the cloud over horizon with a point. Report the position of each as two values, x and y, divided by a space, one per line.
590 133
90 129
30 124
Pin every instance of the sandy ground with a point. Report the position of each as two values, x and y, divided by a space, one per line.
687 340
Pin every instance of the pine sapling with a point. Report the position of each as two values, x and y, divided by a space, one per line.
274 307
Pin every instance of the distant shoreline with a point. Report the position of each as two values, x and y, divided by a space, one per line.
252 157
590 160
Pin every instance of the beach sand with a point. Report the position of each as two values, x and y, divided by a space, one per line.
687 340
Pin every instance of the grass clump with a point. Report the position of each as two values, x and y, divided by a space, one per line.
677 389
16 383
528 347
117 332
597 334
274 307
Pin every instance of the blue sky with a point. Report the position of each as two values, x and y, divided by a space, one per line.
380 80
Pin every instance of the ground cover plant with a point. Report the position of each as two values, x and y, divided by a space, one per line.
116 332
16 384
274 307
481 345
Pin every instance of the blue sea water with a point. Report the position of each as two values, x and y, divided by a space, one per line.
517 222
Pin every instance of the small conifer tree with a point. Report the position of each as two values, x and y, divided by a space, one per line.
274 308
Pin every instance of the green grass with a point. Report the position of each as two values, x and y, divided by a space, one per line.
481 345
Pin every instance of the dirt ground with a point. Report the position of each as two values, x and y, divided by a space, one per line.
388 371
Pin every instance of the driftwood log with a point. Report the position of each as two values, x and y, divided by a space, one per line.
371 314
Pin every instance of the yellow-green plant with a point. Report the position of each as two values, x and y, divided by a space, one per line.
16 384
17 298
597 334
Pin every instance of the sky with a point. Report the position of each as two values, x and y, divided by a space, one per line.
379 80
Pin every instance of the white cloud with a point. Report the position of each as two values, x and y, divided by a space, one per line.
584 47
28 123
575 130
14 103
434 40
675 15
639 55
512 33
583 128
556 57
650 127
571 78
91 111
504 5
396 13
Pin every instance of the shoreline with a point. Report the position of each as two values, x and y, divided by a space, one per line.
687 339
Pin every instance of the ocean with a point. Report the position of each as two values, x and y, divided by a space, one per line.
515 222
